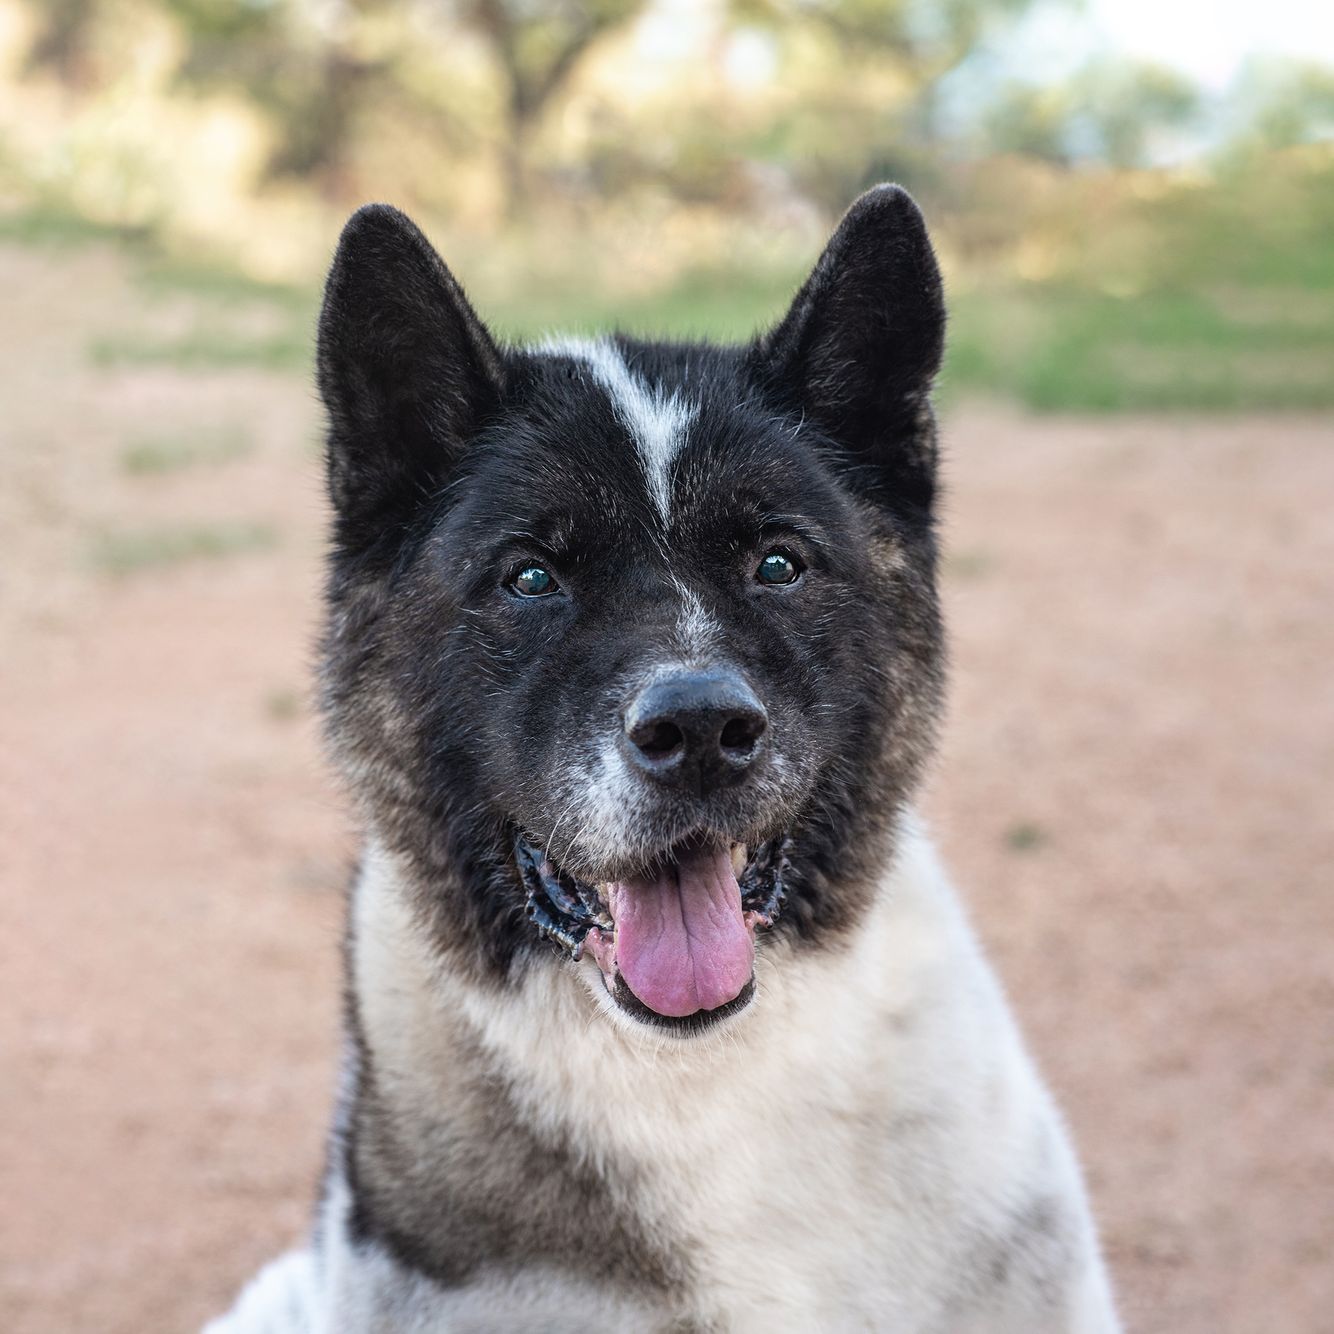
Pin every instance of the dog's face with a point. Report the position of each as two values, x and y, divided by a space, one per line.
634 646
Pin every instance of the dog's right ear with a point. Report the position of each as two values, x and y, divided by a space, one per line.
860 346
406 370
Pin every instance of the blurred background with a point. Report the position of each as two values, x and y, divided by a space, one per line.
1134 205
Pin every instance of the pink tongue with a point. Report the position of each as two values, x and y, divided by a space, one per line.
681 942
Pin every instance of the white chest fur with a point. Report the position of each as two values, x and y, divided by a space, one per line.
867 1148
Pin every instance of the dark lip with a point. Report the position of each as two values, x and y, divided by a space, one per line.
685 1025
565 909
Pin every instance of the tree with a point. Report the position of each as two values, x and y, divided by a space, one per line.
1112 110
63 40
1125 104
925 41
1278 102
1029 120
537 45
311 77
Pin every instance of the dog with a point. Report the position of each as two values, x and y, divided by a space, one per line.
661 1014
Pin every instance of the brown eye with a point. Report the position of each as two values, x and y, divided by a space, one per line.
534 581
778 568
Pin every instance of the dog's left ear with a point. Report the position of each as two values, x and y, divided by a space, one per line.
861 344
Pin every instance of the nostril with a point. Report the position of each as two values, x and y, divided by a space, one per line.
658 739
740 734
694 730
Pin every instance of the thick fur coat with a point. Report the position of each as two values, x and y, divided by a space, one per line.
661 1014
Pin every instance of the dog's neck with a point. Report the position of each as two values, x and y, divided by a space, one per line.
565 1051
495 1122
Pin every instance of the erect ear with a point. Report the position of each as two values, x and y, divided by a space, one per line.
861 344
406 370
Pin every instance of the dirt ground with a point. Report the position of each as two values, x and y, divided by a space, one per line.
1135 794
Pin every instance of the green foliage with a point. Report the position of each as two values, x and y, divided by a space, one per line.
1212 297
691 210
1030 121
1123 103
1109 111
927 40
1280 103
535 49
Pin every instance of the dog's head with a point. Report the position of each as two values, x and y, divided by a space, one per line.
634 646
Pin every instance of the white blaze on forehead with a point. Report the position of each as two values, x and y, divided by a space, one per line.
695 628
657 421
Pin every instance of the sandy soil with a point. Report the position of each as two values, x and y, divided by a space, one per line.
1134 792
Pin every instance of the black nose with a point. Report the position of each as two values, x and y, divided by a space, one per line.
695 730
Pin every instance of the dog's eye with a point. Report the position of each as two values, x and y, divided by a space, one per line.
778 568
534 582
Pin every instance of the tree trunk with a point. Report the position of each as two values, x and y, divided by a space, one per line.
514 163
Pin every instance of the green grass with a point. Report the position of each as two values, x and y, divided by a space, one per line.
1063 349
206 348
164 274
234 321
699 303
1025 837
282 706
55 225
705 304
1050 347
126 553
166 454
968 565
1217 298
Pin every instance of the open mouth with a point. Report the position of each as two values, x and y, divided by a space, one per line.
675 943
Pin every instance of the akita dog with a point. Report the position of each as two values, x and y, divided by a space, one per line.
661 1014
